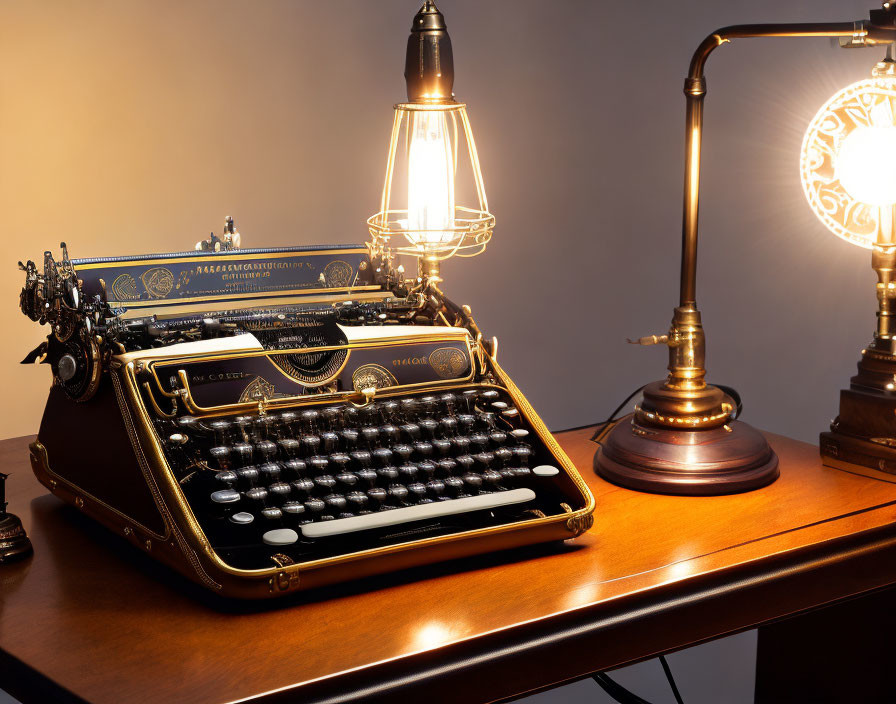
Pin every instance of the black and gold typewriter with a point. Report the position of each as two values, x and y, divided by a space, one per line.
271 420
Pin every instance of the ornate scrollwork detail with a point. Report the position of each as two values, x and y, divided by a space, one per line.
579 524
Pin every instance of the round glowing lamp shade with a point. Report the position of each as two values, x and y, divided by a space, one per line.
848 160
431 167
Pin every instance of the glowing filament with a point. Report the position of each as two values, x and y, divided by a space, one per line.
430 179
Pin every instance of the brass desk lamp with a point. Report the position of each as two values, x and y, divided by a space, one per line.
682 439
848 171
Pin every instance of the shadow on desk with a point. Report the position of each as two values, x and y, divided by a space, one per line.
96 543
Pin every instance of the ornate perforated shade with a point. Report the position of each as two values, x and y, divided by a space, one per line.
432 164
848 160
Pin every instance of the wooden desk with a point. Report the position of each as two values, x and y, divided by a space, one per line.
90 618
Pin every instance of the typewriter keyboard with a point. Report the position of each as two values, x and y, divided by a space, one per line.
314 481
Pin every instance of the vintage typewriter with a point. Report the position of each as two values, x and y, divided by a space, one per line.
271 420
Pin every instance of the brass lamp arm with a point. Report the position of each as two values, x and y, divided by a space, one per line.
695 90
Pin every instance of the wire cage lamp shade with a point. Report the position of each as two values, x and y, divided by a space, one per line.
424 220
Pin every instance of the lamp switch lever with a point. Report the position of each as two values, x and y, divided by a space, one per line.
649 340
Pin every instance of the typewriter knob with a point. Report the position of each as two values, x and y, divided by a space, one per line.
177 439
357 500
417 492
426 469
67 367
377 497
436 488
472 483
454 486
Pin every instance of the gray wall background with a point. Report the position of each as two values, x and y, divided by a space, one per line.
134 127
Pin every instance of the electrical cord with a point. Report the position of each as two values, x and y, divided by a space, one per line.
671 679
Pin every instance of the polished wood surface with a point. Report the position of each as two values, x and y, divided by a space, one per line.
88 617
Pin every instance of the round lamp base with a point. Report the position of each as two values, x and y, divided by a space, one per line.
14 544
724 460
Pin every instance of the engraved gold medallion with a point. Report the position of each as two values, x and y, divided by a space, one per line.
158 282
448 362
372 376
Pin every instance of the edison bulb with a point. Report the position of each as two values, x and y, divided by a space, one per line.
430 179
848 160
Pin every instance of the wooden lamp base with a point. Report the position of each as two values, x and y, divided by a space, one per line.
723 460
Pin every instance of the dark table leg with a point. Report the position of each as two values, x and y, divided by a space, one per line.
841 653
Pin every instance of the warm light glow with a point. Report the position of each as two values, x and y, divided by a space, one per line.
848 161
430 179
866 165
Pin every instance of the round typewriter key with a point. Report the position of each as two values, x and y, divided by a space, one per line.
545 470
346 480
490 395
367 477
390 411
225 496
408 408
271 514
332 417
408 472
242 518
370 414
247 475
519 433
257 494
485 459
357 500
340 460
315 506
279 491
398 492
266 425
504 455
349 438
325 482
423 449
442 447
220 456
436 488
370 435
335 502
492 480
188 423
417 492
310 418
243 425
362 457
383 456
350 417
454 486
426 470
487 420
390 434
387 474
469 398
404 452
319 464
522 454
466 463
288 421
449 402
472 483
303 487
311 444
269 472
411 431
479 442
289 447
296 467
280 536
377 497
466 422
177 439
448 427
242 453
497 438
292 508
429 428
227 478
329 441
266 450
510 413
446 467
500 406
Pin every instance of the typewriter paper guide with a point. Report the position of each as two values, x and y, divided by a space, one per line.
207 277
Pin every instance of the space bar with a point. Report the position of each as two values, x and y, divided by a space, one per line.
397 516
